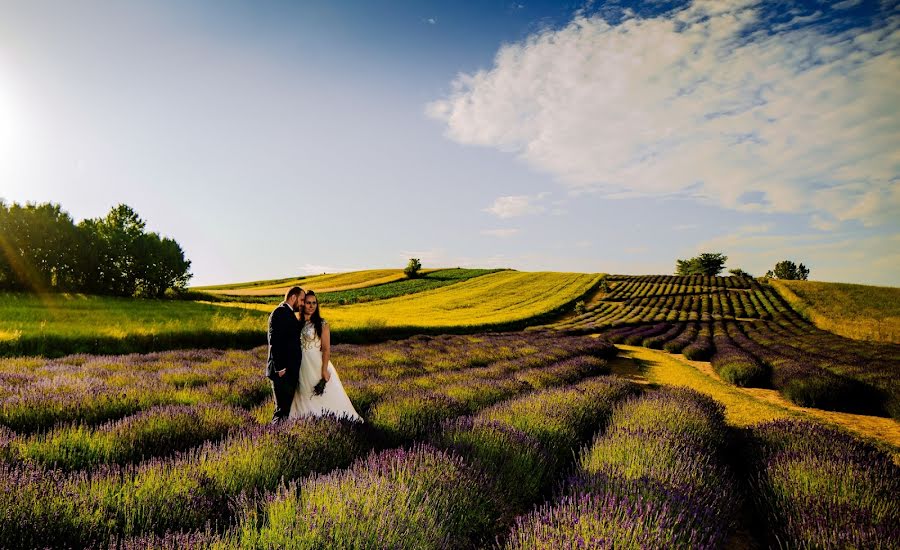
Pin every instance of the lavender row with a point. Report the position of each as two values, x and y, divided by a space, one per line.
426 497
655 479
817 487
807 381
152 433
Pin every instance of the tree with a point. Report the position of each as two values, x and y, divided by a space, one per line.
412 268
118 241
41 249
787 269
37 246
163 266
705 264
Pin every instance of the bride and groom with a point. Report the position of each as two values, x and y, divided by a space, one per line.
304 381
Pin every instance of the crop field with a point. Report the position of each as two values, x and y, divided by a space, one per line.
506 299
855 311
514 440
751 336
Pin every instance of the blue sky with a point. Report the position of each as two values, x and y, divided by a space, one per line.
278 138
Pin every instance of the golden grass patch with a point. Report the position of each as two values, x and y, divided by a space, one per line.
856 311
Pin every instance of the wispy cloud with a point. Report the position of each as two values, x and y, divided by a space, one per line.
501 233
846 4
701 102
517 205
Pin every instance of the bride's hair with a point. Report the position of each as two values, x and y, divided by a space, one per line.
316 317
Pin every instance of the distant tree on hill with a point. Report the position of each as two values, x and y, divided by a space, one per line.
41 249
738 272
705 264
412 268
787 269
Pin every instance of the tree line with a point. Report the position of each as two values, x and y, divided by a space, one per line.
42 249
712 263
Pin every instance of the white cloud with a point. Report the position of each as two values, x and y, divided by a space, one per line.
517 205
846 4
700 104
500 233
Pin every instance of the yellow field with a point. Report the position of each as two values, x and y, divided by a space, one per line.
745 406
320 283
855 311
494 299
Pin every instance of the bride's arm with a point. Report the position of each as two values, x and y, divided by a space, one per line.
326 351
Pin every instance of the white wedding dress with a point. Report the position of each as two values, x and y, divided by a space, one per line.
334 399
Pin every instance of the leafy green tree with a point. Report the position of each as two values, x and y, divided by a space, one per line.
118 238
705 264
412 268
163 266
787 269
37 245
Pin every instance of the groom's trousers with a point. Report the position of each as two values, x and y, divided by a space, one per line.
284 396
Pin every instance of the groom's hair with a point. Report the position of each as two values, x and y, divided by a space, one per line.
293 291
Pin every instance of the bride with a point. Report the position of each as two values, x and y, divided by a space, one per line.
315 338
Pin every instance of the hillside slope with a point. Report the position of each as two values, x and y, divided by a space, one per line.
860 312
490 301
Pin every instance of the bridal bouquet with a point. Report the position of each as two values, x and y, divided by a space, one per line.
319 388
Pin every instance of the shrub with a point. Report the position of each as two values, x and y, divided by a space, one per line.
412 268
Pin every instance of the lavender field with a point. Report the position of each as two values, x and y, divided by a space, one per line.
517 440
751 335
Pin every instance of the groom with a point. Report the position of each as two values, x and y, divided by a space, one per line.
283 367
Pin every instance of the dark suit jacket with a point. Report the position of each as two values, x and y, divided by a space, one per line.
284 345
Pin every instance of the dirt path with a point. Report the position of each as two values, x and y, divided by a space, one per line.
745 406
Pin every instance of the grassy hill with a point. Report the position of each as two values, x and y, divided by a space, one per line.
861 312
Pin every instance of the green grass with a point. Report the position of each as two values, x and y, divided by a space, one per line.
60 324
855 311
